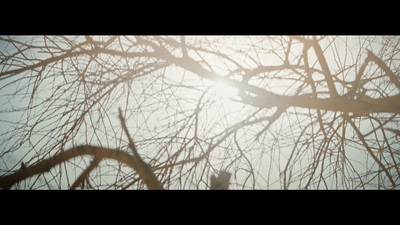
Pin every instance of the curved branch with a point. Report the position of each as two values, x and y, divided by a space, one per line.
98 153
77 53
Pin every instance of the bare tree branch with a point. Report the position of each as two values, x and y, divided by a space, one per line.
85 173
45 165
268 110
145 171
98 153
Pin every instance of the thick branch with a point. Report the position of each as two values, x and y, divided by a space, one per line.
265 98
97 152
325 68
393 78
85 173
145 172
342 104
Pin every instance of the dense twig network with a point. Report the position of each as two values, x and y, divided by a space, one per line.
290 112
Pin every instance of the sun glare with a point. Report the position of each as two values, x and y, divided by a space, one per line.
222 90
226 95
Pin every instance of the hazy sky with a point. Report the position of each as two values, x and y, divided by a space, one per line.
224 111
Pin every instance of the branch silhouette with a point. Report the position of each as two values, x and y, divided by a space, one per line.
98 153
135 161
145 171
315 105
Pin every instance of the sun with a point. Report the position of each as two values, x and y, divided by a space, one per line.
222 90
225 97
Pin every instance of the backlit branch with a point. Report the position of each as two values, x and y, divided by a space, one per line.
145 171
